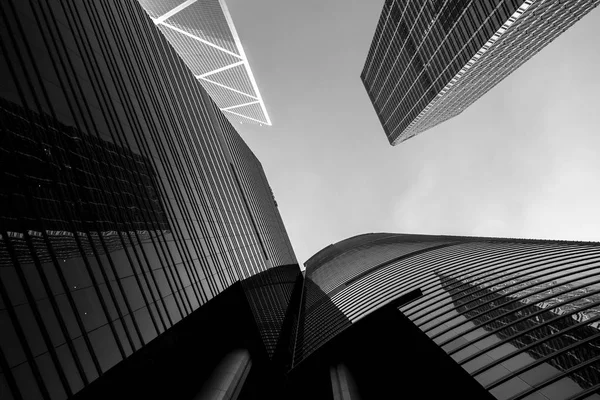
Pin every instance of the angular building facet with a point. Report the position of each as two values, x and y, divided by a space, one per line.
142 253
203 34
522 317
127 202
430 60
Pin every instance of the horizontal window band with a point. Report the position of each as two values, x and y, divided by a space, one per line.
534 344
521 333
516 299
541 360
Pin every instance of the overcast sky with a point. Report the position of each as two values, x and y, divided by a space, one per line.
523 161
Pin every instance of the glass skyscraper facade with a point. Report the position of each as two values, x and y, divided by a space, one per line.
520 316
430 60
142 249
127 200
257 196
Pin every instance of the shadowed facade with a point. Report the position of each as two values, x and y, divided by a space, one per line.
128 199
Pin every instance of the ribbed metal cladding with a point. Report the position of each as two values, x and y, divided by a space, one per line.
120 213
430 60
336 271
521 316
259 196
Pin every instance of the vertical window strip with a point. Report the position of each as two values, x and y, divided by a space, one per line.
34 129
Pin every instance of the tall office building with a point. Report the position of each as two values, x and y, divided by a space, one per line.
203 34
257 196
521 317
430 60
127 202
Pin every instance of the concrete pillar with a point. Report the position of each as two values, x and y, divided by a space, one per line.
228 377
342 383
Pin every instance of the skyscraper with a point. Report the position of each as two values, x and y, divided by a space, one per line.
520 316
380 314
128 201
430 60
203 34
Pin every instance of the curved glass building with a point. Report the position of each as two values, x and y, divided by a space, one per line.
520 316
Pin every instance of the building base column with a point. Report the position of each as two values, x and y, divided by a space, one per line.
228 377
342 383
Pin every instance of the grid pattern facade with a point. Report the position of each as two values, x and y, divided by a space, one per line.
430 60
27 183
258 197
203 34
540 347
121 213
270 297
521 316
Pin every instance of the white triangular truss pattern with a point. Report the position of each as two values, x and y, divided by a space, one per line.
214 53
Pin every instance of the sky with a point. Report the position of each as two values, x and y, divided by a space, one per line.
523 161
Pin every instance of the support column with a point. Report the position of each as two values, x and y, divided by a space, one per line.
342 383
228 377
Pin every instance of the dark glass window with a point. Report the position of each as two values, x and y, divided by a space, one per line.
26 382
51 323
75 273
108 301
53 278
105 347
85 358
132 329
50 376
68 316
10 341
132 290
142 316
12 285
69 367
89 308
30 329
5 392
122 337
